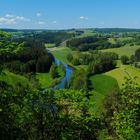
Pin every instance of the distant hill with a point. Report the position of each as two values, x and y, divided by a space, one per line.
118 30
101 30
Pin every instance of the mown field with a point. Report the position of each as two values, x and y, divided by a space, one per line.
125 71
102 85
126 50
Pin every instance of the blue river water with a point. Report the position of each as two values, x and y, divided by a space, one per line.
68 72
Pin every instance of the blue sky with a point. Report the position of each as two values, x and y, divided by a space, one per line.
64 14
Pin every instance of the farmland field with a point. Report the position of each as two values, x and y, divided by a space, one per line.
126 50
125 71
103 85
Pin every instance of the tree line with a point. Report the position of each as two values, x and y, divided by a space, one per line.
91 43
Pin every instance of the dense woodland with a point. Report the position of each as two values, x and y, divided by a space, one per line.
54 37
31 112
24 57
91 43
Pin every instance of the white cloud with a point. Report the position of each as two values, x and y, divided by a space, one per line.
21 18
9 19
83 18
9 16
54 22
41 22
38 14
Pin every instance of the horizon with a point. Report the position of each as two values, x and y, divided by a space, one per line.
62 15
68 28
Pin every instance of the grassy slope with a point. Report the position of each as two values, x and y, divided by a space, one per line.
46 80
61 53
102 85
126 50
49 45
13 79
125 71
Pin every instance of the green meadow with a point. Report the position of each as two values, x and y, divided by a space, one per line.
14 79
61 53
102 85
47 81
126 50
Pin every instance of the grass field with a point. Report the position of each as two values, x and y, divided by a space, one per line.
125 71
48 45
87 33
13 79
46 80
126 50
102 85
61 53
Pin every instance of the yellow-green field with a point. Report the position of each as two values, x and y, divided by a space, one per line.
126 50
125 71
48 45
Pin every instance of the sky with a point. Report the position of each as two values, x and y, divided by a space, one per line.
67 14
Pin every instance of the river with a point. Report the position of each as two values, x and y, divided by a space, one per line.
68 72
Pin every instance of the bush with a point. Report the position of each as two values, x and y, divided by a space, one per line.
124 59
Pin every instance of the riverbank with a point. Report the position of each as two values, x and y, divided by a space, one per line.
46 81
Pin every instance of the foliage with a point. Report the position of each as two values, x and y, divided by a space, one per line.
91 43
103 63
137 54
32 114
27 57
79 80
124 59
122 113
53 71
51 37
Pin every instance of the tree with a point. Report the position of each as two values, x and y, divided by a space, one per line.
137 55
53 71
121 113
79 80
75 61
124 59
132 59
69 57
44 63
